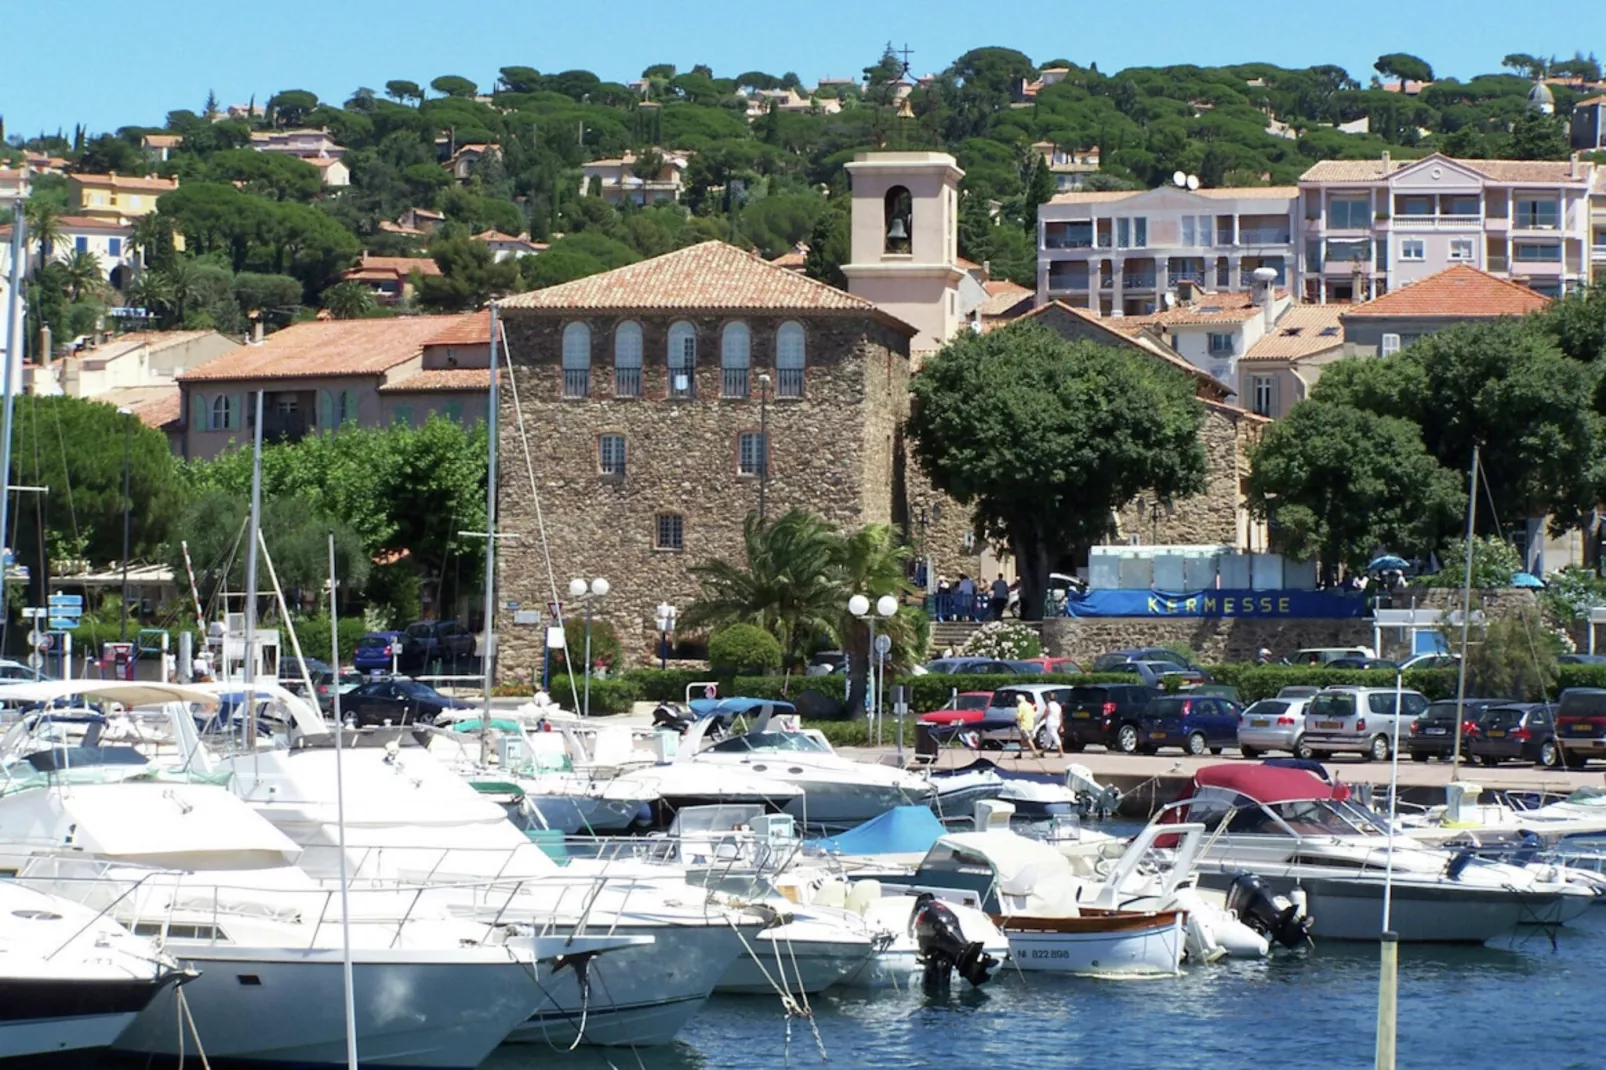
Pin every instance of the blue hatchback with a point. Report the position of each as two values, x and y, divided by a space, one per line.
376 650
1196 723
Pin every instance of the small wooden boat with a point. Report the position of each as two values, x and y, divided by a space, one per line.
1098 943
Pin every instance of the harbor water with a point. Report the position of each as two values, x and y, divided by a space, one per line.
1513 1004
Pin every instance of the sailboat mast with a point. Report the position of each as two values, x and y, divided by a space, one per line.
19 248
251 581
488 655
340 820
1466 620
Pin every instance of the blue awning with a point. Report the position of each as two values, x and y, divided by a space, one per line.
901 830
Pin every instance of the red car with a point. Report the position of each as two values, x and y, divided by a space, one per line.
1063 666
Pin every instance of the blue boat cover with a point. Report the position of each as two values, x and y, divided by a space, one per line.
901 830
727 707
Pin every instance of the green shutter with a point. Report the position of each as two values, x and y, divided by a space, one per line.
237 412
197 411
403 414
326 410
348 405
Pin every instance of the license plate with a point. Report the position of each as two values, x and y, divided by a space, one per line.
1329 724
1436 731
1582 729
1259 722
1497 733
1082 714
1156 735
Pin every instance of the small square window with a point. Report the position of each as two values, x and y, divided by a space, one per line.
669 532
750 453
611 454
1221 345
1413 249
1461 249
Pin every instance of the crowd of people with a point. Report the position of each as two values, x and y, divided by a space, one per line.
967 600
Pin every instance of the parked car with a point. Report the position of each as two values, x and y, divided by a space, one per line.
1360 720
15 672
1360 663
1218 690
1433 733
397 700
1107 715
1581 725
292 679
1432 661
377 652
1581 659
991 729
1155 673
344 684
1321 655
1274 724
1298 691
1063 666
981 666
1195 724
1524 731
426 642
1147 653
826 662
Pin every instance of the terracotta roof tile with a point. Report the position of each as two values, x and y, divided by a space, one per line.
85 222
1217 193
1302 331
326 348
1231 307
1003 295
1495 170
395 267
1460 292
155 406
441 379
128 182
708 276
474 328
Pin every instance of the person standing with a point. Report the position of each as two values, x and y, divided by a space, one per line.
1054 726
1026 723
1000 599
965 595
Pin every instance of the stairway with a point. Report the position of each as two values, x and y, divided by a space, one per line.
951 634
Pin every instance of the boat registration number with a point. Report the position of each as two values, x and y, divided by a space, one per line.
1436 731
1259 722
1050 953
1082 714
1156 735
1497 733
1329 724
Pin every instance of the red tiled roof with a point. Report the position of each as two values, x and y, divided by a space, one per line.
1495 170
129 182
392 267
709 276
1460 292
155 406
474 328
1302 331
441 379
1003 295
86 222
324 348
1206 308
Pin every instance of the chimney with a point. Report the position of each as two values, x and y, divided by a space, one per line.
1572 170
1385 162
1266 293
256 333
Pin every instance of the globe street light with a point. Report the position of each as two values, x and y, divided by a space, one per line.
588 593
666 624
886 607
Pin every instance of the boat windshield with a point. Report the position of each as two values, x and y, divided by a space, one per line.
769 741
1588 797
1306 817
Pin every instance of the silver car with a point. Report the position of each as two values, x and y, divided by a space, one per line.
1274 724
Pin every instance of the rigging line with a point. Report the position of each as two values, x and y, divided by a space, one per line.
66 475
535 497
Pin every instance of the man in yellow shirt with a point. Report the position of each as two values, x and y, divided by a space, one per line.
1026 723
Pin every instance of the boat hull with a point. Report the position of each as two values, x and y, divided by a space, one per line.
1117 944
833 803
55 1015
280 1007
807 966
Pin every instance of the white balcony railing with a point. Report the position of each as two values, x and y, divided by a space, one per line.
1405 221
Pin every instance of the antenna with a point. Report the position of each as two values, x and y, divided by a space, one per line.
1193 182
1179 179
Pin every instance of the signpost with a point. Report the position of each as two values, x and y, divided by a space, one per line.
65 610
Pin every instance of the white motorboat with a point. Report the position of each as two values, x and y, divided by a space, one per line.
837 791
1294 830
71 980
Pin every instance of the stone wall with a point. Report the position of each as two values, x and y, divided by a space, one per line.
1215 638
831 452
1217 516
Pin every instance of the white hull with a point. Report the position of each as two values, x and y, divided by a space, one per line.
414 1009
836 802
47 1036
1154 950
788 957
638 995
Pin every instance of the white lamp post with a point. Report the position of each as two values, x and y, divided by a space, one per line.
666 624
885 607
588 593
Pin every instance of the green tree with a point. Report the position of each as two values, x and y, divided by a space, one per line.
470 276
1512 654
454 85
1039 191
108 152
1045 439
85 276
829 247
1494 560
1536 136
520 79
266 174
1338 484
348 300
289 107
744 650
401 90
1404 66
43 227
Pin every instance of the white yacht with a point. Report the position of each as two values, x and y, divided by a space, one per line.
1295 830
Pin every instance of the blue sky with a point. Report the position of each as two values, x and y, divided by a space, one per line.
163 54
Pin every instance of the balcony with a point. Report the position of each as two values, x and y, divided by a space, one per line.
733 383
1063 283
1138 281
1264 236
1597 252
576 382
1067 237
1429 221
1193 275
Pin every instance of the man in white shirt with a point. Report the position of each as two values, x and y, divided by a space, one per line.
1053 726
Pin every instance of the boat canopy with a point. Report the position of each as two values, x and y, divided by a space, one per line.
737 706
901 830
1267 783
1018 862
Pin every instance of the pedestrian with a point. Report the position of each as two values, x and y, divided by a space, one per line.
1026 723
1000 600
945 610
201 669
1054 726
965 595
1264 657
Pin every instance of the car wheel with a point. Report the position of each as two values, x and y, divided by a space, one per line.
1248 752
1148 748
1488 761
1126 739
1418 756
1379 751
1549 754
1302 750
1196 743
1076 746
1574 761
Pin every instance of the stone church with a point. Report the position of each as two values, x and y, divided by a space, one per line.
661 403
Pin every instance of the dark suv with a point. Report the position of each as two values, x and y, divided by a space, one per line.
1432 735
1523 731
1581 725
427 641
1106 714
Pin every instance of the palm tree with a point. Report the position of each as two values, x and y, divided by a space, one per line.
787 585
84 273
184 285
873 561
44 226
348 300
150 290
151 233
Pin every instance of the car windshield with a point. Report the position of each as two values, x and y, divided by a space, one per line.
418 690
1267 707
1439 712
1167 707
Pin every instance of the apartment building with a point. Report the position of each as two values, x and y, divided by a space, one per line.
1123 253
1371 226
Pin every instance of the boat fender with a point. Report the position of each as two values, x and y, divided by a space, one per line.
1299 901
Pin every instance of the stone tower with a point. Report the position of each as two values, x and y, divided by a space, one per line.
905 242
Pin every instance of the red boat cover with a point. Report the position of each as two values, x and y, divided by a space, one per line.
1268 783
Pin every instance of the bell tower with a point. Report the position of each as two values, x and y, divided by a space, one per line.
905 242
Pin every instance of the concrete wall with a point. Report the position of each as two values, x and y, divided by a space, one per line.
1215 638
832 452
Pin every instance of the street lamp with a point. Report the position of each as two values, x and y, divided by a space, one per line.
666 624
588 593
763 440
885 607
128 442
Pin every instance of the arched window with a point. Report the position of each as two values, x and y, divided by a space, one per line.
735 354
223 412
899 212
682 360
627 360
576 361
789 361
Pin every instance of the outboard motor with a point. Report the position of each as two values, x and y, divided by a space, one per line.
671 717
943 948
1272 916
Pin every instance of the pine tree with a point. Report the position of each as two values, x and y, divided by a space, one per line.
209 110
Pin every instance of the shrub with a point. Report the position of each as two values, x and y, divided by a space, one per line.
743 649
313 632
605 650
1004 639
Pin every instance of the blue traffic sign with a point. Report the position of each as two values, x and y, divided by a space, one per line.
63 624
66 601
